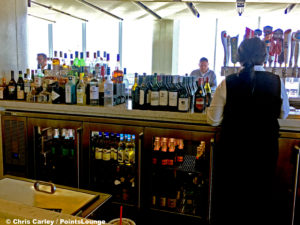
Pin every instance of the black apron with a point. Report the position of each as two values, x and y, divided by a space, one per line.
245 158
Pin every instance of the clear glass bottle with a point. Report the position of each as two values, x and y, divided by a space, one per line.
108 92
94 91
80 91
70 91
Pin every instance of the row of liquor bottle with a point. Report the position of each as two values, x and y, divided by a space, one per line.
180 192
68 89
171 153
112 148
98 64
171 93
56 159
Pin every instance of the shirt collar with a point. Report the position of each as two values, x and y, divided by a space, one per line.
259 68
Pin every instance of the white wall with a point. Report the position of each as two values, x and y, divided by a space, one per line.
13 36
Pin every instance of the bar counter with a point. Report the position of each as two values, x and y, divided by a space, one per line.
124 111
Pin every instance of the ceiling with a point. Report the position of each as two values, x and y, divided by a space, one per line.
129 10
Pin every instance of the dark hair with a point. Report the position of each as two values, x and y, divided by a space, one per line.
251 52
203 59
43 55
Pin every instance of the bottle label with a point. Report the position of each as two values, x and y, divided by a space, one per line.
200 104
101 87
115 154
11 89
1 92
154 200
180 159
27 89
112 154
131 157
126 157
106 154
142 97
172 203
164 162
163 98
68 94
94 93
163 201
149 97
80 95
37 81
98 153
54 95
20 93
183 104
173 99
121 156
170 162
154 98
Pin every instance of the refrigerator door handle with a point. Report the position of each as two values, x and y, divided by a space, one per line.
212 144
78 131
141 135
297 148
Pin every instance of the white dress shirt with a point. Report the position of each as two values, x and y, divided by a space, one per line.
216 109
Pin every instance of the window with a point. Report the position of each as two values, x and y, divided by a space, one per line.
137 46
196 40
103 35
37 40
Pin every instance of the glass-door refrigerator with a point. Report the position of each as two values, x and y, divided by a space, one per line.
113 154
179 170
55 149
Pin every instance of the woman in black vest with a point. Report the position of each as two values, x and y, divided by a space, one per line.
247 105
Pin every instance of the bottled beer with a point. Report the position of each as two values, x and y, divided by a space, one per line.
200 97
171 158
133 92
180 153
121 150
208 92
164 152
156 152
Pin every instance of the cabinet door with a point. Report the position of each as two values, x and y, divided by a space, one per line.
285 177
56 148
111 160
179 181
14 140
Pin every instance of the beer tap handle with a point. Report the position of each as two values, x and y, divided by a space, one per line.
293 44
234 49
224 42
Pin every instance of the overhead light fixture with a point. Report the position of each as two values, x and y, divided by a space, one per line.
99 9
240 6
148 10
193 9
41 18
59 11
289 8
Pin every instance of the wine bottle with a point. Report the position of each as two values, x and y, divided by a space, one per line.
20 87
173 94
12 87
143 93
200 97
183 99
208 92
154 99
163 94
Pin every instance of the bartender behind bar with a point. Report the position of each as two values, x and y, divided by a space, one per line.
204 72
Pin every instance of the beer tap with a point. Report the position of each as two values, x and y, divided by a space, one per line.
225 46
278 37
293 43
234 49
286 49
267 39
297 39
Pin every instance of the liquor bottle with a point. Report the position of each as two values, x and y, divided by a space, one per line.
44 96
65 64
101 89
88 65
171 157
3 89
118 73
108 92
127 150
55 63
121 150
149 86
143 93
99 147
61 58
76 62
133 92
173 94
94 91
163 94
154 100
164 152
200 98
82 63
70 91
26 84
20 87
156 152
183 98
180 152
106 149
208 92
80 91
12 87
